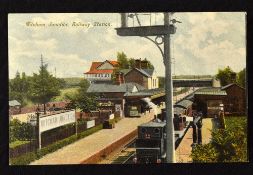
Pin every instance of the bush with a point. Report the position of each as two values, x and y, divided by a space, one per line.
20 130
32 156
17 143
204 153
227 145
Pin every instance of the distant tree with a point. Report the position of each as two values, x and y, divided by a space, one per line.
241 76
82 100
19 88
131 62
127 63
226 76
150 65
44 86
62 83
84 85
122 60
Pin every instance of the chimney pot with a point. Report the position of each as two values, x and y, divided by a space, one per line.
119 78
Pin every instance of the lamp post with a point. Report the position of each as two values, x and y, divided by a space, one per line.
163 32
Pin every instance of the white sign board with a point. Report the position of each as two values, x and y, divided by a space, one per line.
90 124
56 120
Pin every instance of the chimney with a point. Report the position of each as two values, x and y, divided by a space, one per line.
119 78
144 64
138 63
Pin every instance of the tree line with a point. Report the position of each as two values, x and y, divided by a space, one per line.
38 88
41 87
227 76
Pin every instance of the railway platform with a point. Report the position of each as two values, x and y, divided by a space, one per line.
80 151
183 151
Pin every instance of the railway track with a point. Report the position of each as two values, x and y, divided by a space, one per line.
125 157
126 154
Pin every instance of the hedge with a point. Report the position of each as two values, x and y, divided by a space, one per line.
32 156
17 143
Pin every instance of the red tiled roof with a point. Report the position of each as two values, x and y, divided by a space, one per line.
95 65
114 63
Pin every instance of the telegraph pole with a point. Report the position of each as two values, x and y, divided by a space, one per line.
164 32
170 139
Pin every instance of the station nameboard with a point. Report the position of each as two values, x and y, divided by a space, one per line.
56 120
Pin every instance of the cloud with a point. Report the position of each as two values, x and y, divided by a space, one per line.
203 42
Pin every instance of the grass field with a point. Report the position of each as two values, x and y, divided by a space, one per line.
72 82
65 91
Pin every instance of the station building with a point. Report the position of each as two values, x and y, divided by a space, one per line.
101 71
232 97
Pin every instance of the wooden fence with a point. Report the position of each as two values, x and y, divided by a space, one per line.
60 133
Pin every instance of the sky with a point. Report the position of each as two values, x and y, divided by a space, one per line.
203 43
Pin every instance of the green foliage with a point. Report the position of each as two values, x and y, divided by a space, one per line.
204 153
131 62
122 60
17 143
84 101
19 88
65 93
72 82
20 131
150 65
126 63
241 78
39 88
32 156
62 83
227 145
226 76
44 86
